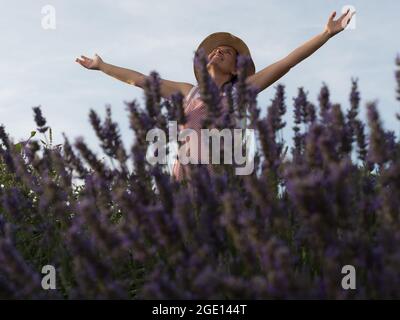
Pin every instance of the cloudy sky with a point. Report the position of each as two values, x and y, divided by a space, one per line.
37 66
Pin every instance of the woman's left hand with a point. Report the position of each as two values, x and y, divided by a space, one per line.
334 27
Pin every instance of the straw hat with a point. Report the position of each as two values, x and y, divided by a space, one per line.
225 39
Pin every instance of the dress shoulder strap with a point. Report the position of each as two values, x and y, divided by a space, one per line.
192 93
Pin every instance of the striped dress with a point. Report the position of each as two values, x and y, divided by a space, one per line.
195 111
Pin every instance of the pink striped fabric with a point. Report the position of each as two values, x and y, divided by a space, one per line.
195 111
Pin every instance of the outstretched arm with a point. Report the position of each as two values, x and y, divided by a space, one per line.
133 77
275 71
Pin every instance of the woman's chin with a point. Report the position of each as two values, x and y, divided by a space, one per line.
215 62
212 63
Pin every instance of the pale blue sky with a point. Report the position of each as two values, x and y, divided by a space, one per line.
37 66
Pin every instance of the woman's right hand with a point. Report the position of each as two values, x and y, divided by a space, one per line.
92 64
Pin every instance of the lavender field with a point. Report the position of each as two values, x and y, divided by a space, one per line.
130 231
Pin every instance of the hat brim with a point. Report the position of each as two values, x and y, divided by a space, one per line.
225 39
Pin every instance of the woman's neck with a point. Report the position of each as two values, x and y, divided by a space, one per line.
219 78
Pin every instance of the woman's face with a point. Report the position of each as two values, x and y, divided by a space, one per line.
223 57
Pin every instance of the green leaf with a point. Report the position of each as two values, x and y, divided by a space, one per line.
33 133
18 146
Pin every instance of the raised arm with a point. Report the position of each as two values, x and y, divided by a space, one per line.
267 76
133 77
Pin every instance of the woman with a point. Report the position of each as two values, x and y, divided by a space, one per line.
222 49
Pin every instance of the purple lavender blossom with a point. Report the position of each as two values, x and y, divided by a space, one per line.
130 231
